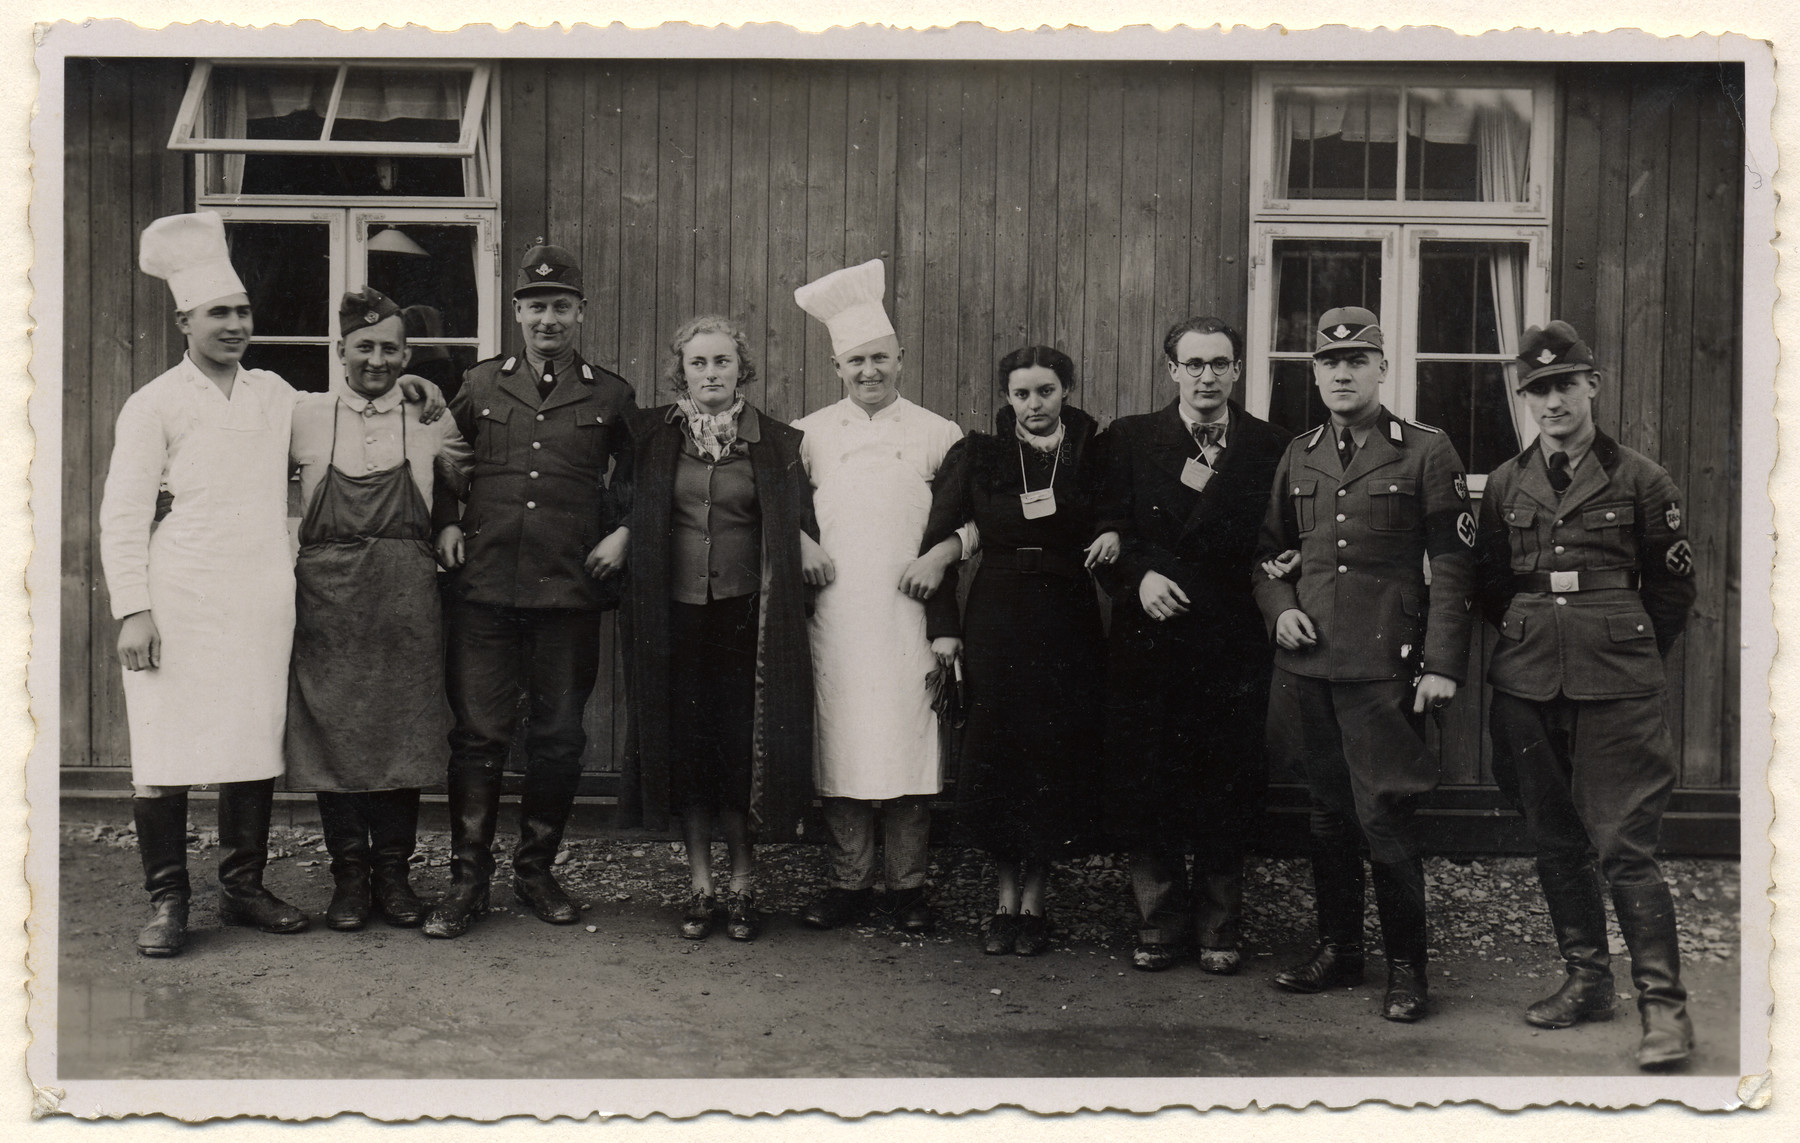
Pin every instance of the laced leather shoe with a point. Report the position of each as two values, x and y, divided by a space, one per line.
1330 966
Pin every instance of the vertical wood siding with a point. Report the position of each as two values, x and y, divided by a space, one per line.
1086 206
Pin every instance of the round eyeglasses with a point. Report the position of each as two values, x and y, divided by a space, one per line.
1218 365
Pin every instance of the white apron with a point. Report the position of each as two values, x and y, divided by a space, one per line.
876 734
221 580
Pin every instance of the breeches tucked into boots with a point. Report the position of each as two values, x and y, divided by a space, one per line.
1590 777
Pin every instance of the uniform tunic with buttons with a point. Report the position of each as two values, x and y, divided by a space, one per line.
1580 741
535 504
1342 709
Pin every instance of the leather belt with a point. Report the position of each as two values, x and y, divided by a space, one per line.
1051 561
1566 581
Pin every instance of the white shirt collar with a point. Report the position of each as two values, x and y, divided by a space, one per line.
195 376
1190 421
892 412
356 402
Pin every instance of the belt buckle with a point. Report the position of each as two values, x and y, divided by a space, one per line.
1565 581
1029 559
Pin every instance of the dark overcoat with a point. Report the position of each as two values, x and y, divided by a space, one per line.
1188 696
782 738
536 500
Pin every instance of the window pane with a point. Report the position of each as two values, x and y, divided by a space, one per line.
443 365
1336 142
1313 275
1471 296
305 367
362 176
428 264
268 102
1293 398
1467 144
1468 400
286 268
401 106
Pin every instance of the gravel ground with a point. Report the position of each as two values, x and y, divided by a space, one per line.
1490 909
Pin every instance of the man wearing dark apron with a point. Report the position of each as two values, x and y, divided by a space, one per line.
367 717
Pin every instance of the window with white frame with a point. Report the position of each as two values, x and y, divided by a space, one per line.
438 265
1419 194
333 175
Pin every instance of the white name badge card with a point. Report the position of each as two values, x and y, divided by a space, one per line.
1038 504
1195 474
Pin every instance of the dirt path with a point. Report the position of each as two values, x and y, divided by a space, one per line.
517 998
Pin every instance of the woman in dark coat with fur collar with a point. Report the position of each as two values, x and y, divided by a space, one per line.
714 621
1033 649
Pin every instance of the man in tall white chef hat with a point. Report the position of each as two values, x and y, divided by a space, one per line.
871 458
206 595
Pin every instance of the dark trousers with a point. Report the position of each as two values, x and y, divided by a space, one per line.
1170 912
552 656
1362 750
712 702
1591 777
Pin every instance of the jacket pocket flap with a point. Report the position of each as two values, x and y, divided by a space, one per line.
499 414
1520 515
1610 516
1629 626
1394 486
1304 487
1512 626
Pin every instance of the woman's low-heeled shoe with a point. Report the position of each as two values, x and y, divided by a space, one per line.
1002 934
1034 934
702 913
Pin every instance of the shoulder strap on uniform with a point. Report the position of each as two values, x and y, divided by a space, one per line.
1314 439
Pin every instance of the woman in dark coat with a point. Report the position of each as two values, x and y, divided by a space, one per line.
1033 649
714 620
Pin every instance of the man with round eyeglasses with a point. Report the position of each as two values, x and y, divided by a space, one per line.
1189 658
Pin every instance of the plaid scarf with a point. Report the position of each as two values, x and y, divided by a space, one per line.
712 433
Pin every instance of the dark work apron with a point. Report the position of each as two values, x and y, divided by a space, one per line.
366 705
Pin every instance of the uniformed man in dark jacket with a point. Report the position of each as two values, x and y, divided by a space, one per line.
1586 571
1364 648
533 555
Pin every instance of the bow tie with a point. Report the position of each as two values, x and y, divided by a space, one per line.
1205 435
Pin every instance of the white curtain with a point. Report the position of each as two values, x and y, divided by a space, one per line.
1506 271
368 93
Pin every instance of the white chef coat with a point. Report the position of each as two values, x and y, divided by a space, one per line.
216 574
876 734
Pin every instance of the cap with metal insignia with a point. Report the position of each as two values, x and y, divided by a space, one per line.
364 307
1554 349
1347 327
548 268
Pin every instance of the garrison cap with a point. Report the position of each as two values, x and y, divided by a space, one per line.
1554 349
1347 327
363 308
549 268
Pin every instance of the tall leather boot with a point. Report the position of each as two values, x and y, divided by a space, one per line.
1647 917
1338 885
162 844
393 817
1572 893
244 809
544 806
474 808
1400 899
347 840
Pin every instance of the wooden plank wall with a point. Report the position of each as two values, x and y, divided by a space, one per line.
1647 264
118 334
1086 206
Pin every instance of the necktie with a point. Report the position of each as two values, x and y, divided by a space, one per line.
1560 479
545 385
1346 447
